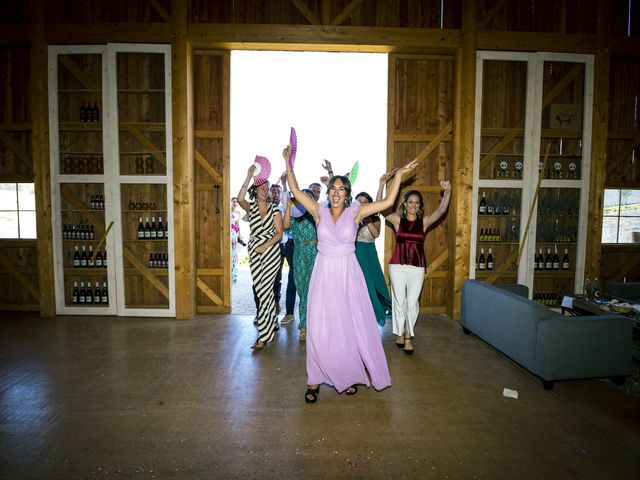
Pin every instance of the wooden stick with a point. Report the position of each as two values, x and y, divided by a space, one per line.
104 237
533 204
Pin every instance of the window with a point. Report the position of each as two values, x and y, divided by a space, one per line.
17 210
621 220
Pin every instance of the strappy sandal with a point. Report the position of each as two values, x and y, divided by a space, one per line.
303 335
311 395
400 344
408 351
259 345
352 390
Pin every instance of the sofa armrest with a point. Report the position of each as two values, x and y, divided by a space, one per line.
584 347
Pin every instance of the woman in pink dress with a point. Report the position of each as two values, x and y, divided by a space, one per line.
343 343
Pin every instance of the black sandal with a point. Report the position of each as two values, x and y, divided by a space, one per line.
311 396
352 390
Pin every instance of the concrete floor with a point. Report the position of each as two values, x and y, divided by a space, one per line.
131 398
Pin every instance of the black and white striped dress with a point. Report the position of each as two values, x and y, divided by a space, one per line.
264 268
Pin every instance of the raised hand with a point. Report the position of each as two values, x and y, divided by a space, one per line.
327 166
407 168
251 171
446 185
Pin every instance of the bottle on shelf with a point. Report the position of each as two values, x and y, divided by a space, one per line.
83 112
160 233
97 294
83 258
90 259
81 293
565 260
75 293
482 263
99 259
540 261
548 260
152 260
95 112
104 258
490 260
105 294
88 294
535 260
76 257
147 229
140 229
556 260
165 260
482 209
482 237
153 231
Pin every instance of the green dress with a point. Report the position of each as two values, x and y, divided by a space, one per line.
304 257
368 259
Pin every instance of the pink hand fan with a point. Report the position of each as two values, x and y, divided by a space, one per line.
263 170
293 140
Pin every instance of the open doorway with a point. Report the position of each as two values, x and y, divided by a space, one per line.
337 102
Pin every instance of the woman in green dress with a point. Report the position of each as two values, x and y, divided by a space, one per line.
368 231
303 229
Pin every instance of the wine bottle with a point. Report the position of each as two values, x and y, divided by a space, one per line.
481 239
565 260
92 203
105 294
153 232
490 260
90 259
76 258
147 229
75 293
165 260
88 294
83 257
482 209
548 261
97 294
140 229
556 260
83 112
95 112
540 261
104 258
482 264
99 259
535 260
81 293
160 233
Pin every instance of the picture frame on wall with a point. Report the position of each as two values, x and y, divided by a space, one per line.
567 116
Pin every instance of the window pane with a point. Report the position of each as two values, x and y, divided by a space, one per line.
8 196
629 230
28 224
8 224
26 196
609 229
611 202
630 203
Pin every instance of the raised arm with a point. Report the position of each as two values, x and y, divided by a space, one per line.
377 206
307 202
429 220
242 194
286 219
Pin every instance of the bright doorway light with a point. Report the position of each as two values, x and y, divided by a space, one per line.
337 102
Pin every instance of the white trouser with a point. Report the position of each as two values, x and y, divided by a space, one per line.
406 285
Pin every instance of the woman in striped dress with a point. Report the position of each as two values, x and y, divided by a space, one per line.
305 250
265 221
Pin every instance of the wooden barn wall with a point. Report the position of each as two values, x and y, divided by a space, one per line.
420 122
367 13
212 186
107 11
19 259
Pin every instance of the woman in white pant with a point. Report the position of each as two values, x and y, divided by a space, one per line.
408 263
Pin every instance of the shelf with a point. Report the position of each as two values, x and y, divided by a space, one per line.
161 272
488 273
93 127
86 270
489 244
145 240
137 212
81 210
141 90
553 273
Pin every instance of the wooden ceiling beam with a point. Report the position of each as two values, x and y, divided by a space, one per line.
536 42
109 33
323 38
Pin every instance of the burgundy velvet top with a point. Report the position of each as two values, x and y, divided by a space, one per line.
409 248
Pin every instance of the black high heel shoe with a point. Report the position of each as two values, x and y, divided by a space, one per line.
311 395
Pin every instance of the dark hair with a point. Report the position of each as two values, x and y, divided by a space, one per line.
275 185
347 186
314 183
365 195
403 206
252 191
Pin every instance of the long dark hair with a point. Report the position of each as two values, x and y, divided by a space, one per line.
403 205
372 217
346 183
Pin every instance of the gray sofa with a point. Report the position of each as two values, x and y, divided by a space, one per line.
547 343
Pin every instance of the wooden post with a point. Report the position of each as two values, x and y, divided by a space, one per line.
600 127
463 134
40 156
183 179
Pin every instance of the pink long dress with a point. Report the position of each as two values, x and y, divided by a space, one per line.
343 342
